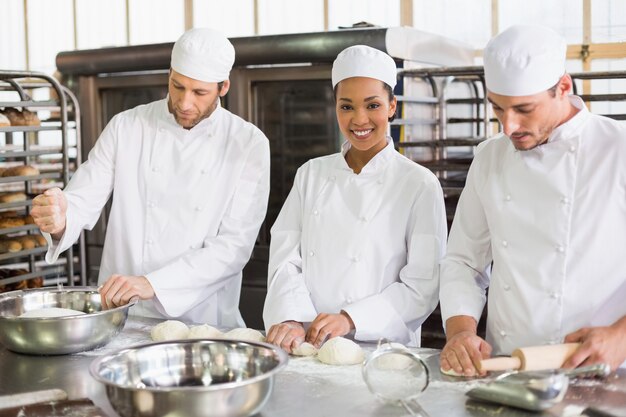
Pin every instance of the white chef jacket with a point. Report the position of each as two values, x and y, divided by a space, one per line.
187 208
368 244
553 222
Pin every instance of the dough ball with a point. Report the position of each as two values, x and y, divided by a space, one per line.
169 330
42 313
305 349
247 335
340 351
203 331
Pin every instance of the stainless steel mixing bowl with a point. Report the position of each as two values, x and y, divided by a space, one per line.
208 378
58 335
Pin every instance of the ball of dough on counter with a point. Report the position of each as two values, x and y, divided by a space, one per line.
203 331
340 351
247 335
42 313
169 330
305 349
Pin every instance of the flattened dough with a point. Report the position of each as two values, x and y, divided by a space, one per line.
450 372
305 349
42 313
169 330
340 351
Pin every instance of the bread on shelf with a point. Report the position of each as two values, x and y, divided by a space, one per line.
12 197
21 118
11 222
4 121
10 246
20 171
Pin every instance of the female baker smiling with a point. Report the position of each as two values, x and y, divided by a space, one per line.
356 247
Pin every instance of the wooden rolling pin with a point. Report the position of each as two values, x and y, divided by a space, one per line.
533 358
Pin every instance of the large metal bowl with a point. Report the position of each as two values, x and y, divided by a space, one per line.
58 335
207 378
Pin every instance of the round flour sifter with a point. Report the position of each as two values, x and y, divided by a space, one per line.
395 375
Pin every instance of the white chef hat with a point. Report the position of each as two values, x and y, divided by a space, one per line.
203 54
524 60
364 61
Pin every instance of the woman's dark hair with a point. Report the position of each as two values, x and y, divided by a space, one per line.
390 95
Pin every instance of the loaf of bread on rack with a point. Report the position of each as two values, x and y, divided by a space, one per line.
10 246
4 121
21 118
11 222
20 171
12 197
27 241
20 285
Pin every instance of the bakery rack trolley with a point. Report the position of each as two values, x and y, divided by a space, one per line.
22 145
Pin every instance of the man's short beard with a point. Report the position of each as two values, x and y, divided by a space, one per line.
195 121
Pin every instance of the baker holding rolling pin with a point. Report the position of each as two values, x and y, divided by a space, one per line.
541 220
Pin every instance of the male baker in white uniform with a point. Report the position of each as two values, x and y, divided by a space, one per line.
545 203
190 184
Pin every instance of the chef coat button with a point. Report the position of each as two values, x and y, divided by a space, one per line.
507 198
191 247
198 208
161 130
150 204
331 178
502 333
356 258
505 243
203 171
565 200
311 253
506 287
380 181
155 169
363 219
149 242
560 249
349 300
316 213
572 149
554 295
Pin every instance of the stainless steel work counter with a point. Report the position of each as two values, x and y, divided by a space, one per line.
305 388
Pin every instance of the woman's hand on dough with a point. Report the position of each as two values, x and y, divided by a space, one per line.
598 345
48 212
463 353
119 289
328 326
287 335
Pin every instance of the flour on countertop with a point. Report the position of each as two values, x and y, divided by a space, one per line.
134 333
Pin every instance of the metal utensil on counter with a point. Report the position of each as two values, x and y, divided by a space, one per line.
534 390
395 375
191 378
58 335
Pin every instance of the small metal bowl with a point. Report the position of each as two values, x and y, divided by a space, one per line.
208 378
58 335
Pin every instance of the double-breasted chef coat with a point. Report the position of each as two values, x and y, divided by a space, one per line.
368 244
187 208
553 222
